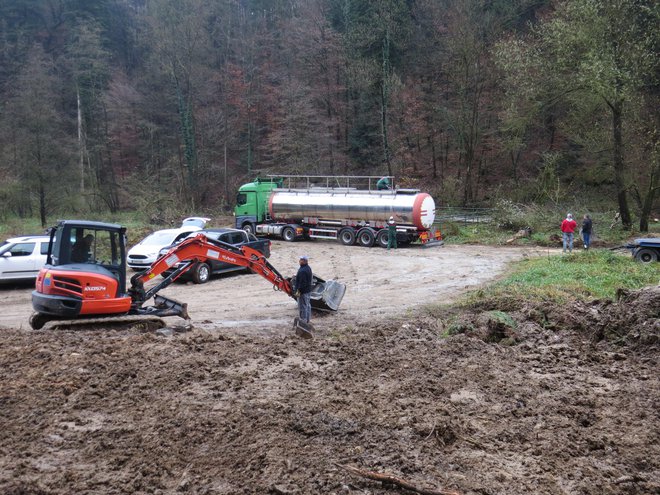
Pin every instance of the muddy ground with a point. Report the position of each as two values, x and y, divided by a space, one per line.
540 399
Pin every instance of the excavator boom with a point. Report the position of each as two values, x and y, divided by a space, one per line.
325 296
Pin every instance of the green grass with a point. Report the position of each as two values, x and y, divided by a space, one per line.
583 275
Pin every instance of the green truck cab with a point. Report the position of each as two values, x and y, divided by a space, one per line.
252 203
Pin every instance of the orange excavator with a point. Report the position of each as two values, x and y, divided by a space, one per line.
84 279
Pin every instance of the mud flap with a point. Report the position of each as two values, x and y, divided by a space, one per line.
327 295
302 329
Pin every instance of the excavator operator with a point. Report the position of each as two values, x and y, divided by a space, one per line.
81 249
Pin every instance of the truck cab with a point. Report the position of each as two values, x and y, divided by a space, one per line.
252 203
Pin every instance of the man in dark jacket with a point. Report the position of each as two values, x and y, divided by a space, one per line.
303 289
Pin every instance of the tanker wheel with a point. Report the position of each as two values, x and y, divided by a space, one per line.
646 255
366 238
201 273
38 320
347 236
288 234
249 228
382 238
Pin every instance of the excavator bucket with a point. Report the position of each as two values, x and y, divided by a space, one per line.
327 295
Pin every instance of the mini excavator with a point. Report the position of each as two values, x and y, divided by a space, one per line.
84 279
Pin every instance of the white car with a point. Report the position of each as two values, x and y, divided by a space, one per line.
145 253
21 258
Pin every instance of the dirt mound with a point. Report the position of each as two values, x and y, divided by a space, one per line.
631 321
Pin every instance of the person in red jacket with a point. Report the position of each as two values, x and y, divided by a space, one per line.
567 228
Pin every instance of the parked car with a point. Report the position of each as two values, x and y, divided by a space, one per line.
144 253
201 272
194 222
21 258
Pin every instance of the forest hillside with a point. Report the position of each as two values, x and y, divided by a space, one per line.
116 105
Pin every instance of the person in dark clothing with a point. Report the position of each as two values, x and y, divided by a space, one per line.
383 184
587 227
304 289
391 234
80 251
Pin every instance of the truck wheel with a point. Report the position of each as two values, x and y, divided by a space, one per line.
646 255
249 228
366 238
347 236
201 273
288 234
382 238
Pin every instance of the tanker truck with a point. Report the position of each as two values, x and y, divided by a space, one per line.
331 207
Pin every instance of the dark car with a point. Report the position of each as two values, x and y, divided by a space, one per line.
201 272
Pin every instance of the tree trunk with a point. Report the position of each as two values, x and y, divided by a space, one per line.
81 146
42 204
619 165
647 204
434 158
384 97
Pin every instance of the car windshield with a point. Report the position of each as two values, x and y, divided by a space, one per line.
159 239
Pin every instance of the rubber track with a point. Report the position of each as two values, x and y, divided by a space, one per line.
112 320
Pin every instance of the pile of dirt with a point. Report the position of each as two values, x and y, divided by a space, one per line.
630 322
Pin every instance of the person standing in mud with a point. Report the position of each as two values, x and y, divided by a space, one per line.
304 289
391 234
587 226
567 229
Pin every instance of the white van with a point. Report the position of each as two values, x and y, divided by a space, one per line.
21 258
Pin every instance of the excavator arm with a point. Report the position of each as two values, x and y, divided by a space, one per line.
325 295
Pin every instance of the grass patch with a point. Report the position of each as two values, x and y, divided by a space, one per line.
507 218
584 275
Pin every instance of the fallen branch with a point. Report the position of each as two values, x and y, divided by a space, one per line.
388 478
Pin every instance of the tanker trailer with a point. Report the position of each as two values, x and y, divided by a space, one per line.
351 215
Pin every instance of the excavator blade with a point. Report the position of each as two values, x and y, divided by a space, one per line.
169 307
327 295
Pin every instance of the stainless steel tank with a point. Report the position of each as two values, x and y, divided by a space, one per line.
350 205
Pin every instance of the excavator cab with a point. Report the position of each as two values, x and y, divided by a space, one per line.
84 274
101 247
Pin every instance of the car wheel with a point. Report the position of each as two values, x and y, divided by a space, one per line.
249 228
347 236
366 238
288 234
646 255
382 238
201 273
